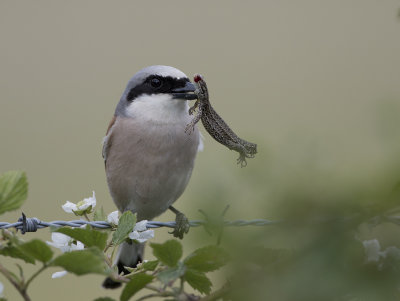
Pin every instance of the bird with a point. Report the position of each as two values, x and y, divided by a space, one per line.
147 154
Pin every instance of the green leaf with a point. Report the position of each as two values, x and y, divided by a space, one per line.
171 274
168 253
198 281
150 265
104 299
88 236
137 282
14 252
37 249
207 259
99 215
126 224
82 262
13 190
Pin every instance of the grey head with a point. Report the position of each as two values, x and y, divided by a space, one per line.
156 79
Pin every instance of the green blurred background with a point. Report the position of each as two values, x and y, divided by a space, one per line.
316 84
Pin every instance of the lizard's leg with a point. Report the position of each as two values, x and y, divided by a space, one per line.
190 127
192 109
182 223
241 149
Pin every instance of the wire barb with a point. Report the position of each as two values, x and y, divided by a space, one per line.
25 224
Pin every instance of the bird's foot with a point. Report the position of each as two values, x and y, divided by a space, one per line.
182 224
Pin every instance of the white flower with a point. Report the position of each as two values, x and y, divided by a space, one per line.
64 242
1 288
372 250
374 253
69 207
139 264
84 206
141 226
113 218
140 232
59 274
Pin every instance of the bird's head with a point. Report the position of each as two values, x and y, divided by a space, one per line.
156 83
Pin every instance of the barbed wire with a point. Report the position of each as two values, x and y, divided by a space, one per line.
33 224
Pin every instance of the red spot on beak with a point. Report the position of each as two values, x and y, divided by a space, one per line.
197 78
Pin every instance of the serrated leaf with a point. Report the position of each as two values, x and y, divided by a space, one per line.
207 259
14 252
99 215
198 281
13 190
171 274
37 249
104 299
126 224
150 265
89 261
168 253
89 237
138 281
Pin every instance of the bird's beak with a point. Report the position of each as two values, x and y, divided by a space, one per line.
185 93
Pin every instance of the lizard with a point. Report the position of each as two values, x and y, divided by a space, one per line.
216 126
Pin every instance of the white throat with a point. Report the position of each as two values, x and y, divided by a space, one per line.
159 108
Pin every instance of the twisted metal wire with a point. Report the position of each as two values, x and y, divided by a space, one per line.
33 224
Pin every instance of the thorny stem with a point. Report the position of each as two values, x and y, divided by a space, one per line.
18 286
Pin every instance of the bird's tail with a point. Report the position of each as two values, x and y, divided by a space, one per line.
129 255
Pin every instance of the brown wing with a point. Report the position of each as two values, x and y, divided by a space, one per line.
107 139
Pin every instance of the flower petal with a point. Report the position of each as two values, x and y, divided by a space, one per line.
69 207
141 226
86 203
372 250
59 274
77 246
1 288
60 238
134 235
145 235
113 218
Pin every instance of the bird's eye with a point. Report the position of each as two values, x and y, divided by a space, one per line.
155 83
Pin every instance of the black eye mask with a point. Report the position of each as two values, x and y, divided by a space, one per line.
155 84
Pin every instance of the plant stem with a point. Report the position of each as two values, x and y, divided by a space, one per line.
160 294
34 276
148 296
18 286
153 288
217 294
107 246
87 217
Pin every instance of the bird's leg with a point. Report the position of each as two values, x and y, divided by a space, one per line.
182 223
